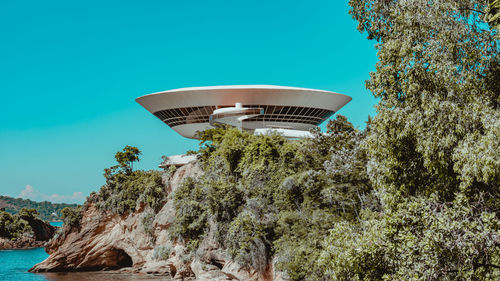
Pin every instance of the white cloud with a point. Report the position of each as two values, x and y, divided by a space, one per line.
30 193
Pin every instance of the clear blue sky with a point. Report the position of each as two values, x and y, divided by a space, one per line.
70 71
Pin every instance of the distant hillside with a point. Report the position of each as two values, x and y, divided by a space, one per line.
48 211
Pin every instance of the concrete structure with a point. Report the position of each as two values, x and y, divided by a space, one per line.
177 160
259 108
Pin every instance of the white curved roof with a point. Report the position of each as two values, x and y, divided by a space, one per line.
244 94
247 95
222 87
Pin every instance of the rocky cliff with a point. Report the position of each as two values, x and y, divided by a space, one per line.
140 242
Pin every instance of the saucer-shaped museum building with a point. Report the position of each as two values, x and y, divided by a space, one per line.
259 108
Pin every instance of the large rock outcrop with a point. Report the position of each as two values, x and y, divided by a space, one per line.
109 241
40 233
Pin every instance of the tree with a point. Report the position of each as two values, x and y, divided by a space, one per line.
28 214
13 226
127 157
437 80
72 215
125 189
433 148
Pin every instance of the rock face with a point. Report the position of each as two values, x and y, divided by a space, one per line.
43 231
109 241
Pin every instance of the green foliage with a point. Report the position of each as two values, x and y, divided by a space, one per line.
126 189
47 211
28 214
147 223
351 255
162 253
432 150
299 242
14 226
191 212
415 197
127 157
72 215
261 196
247 240
436 130
124 192
422 240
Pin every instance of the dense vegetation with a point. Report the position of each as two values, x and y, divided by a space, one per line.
414 197
264 196
16 226
47 211
124 190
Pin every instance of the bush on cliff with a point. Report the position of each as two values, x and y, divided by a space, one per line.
72 215
126 189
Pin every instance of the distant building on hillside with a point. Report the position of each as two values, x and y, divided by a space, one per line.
290 111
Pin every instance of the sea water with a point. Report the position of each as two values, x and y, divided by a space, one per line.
14 265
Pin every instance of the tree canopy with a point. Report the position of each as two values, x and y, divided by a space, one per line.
14 227
127 157
437 80
433 147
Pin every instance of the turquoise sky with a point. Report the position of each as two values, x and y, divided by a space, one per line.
70 71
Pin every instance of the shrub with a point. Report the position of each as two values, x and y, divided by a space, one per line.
247 241
147 219
28 214
162 252
123 192
423 239
191 211
72 215
13 227
126 189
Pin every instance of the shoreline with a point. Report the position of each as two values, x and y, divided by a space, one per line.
116 275
26 244
27 248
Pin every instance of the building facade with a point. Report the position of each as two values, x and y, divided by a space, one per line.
259 108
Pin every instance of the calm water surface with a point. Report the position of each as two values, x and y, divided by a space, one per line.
14 265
